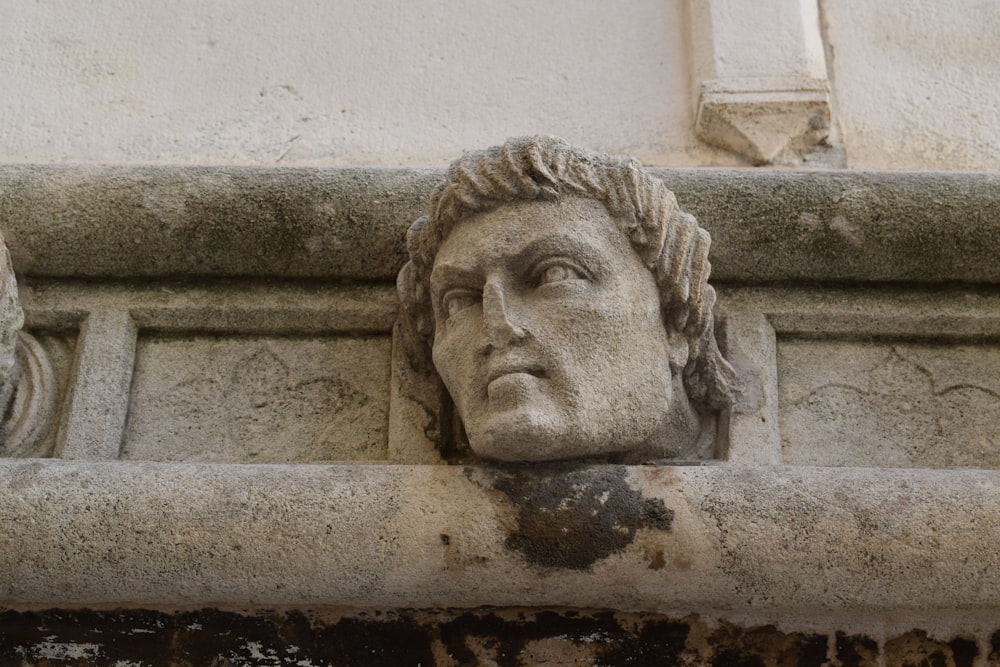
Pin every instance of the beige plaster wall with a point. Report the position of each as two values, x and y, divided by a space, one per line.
916 83
378 82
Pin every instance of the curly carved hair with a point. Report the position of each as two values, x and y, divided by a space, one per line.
668 240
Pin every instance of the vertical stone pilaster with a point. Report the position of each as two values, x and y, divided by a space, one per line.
93 423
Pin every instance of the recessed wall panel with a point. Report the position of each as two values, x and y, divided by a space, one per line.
891 404
258 399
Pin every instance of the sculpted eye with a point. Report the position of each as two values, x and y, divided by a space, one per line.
557 271
456 300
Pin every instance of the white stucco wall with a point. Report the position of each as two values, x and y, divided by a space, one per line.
348 82
916 82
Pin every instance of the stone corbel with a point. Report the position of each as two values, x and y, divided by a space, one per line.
760 74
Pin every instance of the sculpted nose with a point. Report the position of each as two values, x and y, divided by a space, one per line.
501 328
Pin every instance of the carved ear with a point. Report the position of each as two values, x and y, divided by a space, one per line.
677 351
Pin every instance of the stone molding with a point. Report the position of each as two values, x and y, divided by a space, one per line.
728 538
348 224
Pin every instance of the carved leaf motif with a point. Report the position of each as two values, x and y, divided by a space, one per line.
897 418
267 401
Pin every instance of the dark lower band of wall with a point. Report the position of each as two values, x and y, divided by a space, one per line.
504 637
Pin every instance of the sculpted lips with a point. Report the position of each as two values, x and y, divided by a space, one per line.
515 368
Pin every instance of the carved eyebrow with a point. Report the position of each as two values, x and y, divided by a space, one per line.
562 245
448 275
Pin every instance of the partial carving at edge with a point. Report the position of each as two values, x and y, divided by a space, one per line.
32 403
27 386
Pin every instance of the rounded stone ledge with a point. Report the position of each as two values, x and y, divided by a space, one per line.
350 223
665 539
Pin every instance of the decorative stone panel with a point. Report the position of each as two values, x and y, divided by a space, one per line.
874 378
259 400
884 403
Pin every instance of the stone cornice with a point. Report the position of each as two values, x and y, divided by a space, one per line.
723 538
349 224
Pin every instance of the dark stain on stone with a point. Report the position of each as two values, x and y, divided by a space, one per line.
657 561
657 643
655 514
572 516
917 649
506 639
963 651
767 646
734 658
405 638
856 650
995 648
359 641
206 637
812 651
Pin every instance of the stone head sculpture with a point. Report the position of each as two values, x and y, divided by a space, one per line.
558 299
26 385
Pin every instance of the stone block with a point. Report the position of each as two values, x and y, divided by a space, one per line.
760 541
259 399
896 404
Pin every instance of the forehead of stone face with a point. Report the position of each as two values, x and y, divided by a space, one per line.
526 230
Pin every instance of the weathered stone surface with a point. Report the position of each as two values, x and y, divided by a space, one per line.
759 77
512 637
259 400
761 123
93 418
743 540
350 223
94 371
230 306
162 221
889 404
845 548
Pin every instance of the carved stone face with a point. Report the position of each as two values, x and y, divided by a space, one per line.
548 333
